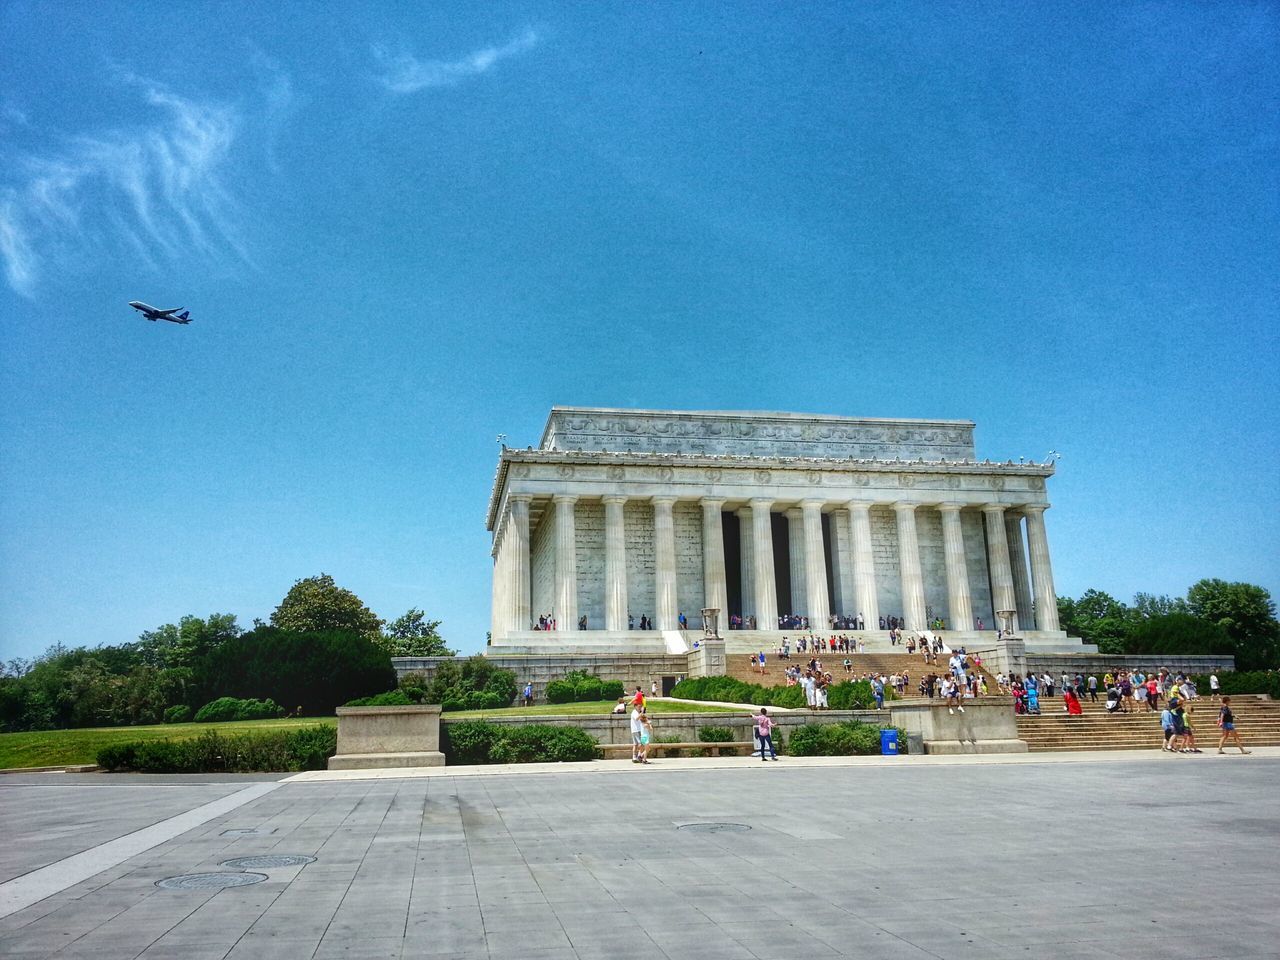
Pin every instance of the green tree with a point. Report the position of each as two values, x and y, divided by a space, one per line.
1147 605
1097 617
1178 634
413 635
317 604
1248 615
182 646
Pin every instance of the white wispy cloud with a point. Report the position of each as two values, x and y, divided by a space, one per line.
405 73
158 188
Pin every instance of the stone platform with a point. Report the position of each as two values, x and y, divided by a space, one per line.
381 737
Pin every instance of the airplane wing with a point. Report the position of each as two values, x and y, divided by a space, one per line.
167 313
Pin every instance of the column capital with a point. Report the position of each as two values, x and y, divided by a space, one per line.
793 513
520 497
1033 508
904 505
761 503
994 509
951 506
712 501
614 498
565 498
812 503
663 500
860 506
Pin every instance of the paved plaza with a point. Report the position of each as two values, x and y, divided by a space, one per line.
1134 857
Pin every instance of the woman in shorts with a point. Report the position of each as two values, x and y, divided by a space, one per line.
1227 722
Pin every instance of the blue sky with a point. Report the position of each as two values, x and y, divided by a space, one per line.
404 231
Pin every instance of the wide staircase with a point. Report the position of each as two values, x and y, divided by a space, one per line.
1258 721
738 666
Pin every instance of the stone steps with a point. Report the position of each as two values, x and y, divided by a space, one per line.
1257 720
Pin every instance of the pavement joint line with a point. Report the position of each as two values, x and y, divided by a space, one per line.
37 885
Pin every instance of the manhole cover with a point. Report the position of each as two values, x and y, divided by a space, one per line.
714 827
271 862
210 881
249 832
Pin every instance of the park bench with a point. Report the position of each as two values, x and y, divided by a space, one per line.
613 750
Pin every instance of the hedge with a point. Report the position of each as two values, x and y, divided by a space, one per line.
1249 681
844 739
478 741
178 713
272 751
392 698
846 695
229 708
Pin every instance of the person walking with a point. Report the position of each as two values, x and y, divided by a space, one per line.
528 693
1213 685
637 731
1227 723
1093 688
764 733
646 736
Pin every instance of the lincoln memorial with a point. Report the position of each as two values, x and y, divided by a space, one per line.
626 517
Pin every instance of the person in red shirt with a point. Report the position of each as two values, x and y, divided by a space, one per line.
638 699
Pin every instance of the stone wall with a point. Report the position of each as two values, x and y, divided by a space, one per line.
884 550
589 528
633 669
690 591
973 528
1100 663
638 524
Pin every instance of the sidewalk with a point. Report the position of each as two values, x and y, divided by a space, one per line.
690 764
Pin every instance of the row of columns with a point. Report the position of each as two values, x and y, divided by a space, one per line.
1005 557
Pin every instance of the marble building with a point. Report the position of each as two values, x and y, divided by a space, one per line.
619 515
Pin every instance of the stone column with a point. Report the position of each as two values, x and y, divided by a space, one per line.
664 562
762 554
518 532
815 567
615 564
796 557
913 610
1002 596
748 563
864 565
1018 565
566 612
715 590
1041 569
841 572
959 599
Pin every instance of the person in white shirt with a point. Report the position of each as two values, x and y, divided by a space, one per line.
1213 685
637 733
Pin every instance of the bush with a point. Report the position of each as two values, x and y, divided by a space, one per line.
313 672
715 734
225 709
845 739
414 686
1249 681
561 691
392 698
612 690
669 738
454 682
272 751
178 713
478 741
588 691
846 695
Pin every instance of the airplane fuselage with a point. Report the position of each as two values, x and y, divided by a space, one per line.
155 313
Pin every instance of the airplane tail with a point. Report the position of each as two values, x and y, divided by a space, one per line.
185 316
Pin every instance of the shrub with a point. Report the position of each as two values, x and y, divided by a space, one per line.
271 751
669 738
715 734
453 681
414 686
178 713
1249 681
612 690
392 698
845 739
470 741
561 691
478 741
851 695
229 708
846 695
314 671
588 690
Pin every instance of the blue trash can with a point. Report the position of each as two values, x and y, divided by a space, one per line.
889 742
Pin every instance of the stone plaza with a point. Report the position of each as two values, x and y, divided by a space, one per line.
621 517
909 858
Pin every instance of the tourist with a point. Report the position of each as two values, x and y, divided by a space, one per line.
1227 723
1185 730
764 733
822 681
620 707
755 664
848 665
683 621
1092 683
653 688
806 681
1126 694
646 736
951 691
762 670
1213 687
1169 726
1152 686
528 694
637 729
1033 696
638 700
1071 702
877 691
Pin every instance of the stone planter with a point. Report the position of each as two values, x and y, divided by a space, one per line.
378 737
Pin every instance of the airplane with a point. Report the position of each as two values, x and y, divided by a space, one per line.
153 313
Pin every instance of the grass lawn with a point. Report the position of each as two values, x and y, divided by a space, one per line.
47 748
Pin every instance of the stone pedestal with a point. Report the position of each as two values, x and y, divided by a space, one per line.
707 659
375 737
982 728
